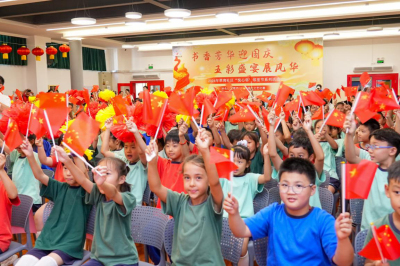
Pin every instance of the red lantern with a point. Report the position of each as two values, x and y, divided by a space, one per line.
38 52
5 50
51 51
23 52
64 49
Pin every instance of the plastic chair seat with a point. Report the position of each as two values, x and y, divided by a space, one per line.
358 245
15 247
32 227
326 198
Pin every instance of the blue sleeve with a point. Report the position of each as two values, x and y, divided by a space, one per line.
259 224
47 147
328 235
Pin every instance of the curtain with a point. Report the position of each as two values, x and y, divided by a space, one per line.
93 59
13 58
59 61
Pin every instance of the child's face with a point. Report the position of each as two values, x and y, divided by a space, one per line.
334 133
380 155
173 150
19 150
112 176
242 164
210 138
340 108
363 133
251 144
392 191
131 152
324 130
232 112
250 125
313 109
195 180
296 124
382 120
300 152
279 136
68 177
112 144
298 181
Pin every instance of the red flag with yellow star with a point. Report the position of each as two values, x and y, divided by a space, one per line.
328 94
222 160
350 91
318 114
12 137
359 178
362 109
243 115
81 133
264 96
336 119
153 107
241 93
56 108
37 124
283 94
388 243
382 102
119 105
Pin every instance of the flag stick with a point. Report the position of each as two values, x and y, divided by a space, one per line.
251 95
277 125
354 106
2 147
395 97
378 245
255 115
51 133
216 100
201 116
80 157
302 103
231 154
194 121
162 114
323 124
29 120
323 112
66 129
343 187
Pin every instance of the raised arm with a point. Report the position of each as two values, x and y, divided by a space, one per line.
217 138
344 251
6 148
36 170
225 139
273 154
183 129
42 154
109 190
286 132
236 223
318 152
211 169
105 149
266 177
350 149
139 141
263 135
8 184
331 141
153 176
77 173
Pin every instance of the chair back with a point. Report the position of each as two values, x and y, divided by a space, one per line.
358 246
356 210
261 200
91 220
325 184
270 184
169 236
274 196
326 198
260 251
47 210
231 247
20 214
338 161
146 195
48 172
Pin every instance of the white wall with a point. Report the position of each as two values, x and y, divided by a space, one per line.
15 77
62 77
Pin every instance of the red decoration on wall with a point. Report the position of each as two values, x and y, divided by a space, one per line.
38 52
23 52
64 49
5 50
51 51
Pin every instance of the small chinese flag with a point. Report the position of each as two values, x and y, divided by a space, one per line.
311 98
223 98
336 119
264 96
153 108
221 159
56 109
362 109
119 105
381 102
12 137
311 85
73 100
265 117
19 94
95 88
241 93
318 114
183 103
292 105
81 133
350 91
365 79
388 242
338 92
208 110
327 94
37 124
283 94
86 95
359 178
243 115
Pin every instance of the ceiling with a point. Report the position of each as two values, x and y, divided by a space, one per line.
257 18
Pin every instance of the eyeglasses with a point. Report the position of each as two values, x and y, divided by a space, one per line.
373 147
297 189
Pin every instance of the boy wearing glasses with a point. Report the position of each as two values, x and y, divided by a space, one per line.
383 148
304 145
297 233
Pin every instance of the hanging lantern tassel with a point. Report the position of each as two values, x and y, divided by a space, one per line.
64 49
51 51
38 52
23 52
5 50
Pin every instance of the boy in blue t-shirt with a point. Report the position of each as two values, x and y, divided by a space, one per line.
297 233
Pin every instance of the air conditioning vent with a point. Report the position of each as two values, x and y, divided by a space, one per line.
374 68
362 69
382 69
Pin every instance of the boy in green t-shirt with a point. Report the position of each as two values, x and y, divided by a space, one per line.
383 148
392 191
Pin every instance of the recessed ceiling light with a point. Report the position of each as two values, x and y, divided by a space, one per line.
135 23
175 20
375 28
331 34
259 39
133 15
177 13
83 21
295 36
227 14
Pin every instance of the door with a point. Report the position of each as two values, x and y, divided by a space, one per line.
389 79
152 85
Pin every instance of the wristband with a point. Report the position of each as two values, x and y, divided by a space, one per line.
184 142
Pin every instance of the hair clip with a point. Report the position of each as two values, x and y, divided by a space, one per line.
242 143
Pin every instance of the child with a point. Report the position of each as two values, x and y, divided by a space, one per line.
383 149
228 125
133 157
112 240
63 236
297 233
8 198
110 143
197 214
335 134
24 180
304 145
256 158
364 131
392 191
329 147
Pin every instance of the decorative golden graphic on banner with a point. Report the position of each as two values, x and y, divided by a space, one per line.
259 66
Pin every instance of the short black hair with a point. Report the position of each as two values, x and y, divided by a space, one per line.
234 134
394 172
388 135
209 130
300 166
300 141
173 136
1 80
372 125
242 152
251 135
32 137
280 128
